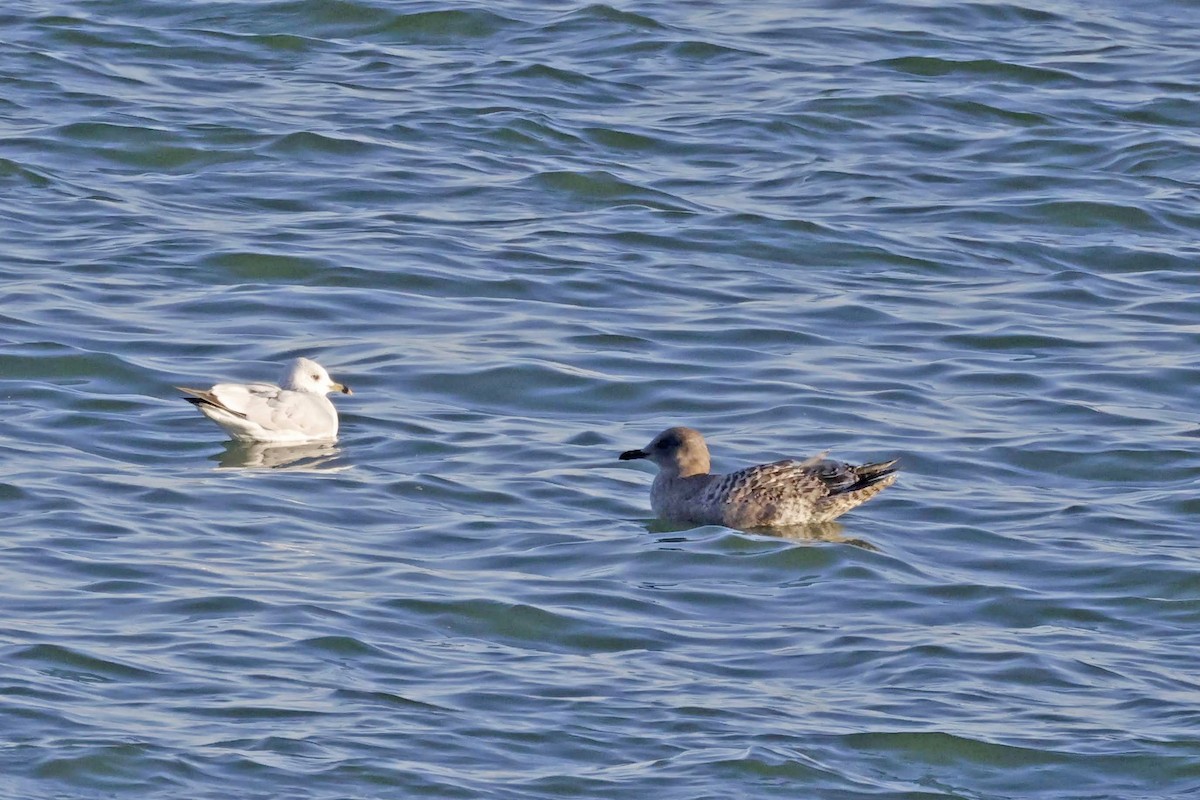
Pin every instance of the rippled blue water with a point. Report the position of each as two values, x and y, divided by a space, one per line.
530 235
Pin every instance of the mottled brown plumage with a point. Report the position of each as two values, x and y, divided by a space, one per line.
779 494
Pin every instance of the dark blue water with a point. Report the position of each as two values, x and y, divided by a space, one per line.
531 235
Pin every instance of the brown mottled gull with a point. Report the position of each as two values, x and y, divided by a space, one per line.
768 495
298 411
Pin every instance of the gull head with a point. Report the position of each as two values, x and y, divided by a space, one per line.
678 452
306 375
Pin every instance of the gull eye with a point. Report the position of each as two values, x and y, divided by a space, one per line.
316 377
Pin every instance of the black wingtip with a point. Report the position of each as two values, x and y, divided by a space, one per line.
871 474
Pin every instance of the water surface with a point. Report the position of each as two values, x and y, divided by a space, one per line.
531 235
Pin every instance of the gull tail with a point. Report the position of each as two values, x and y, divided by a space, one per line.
871 479
205 399
870 475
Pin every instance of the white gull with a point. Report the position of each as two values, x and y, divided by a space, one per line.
295 411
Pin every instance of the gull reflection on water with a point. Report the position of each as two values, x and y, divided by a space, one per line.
817 532
832 532
311 457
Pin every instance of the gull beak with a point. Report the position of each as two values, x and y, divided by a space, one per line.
629 455
343 388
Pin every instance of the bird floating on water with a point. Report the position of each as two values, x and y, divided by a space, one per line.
295 411
779 494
